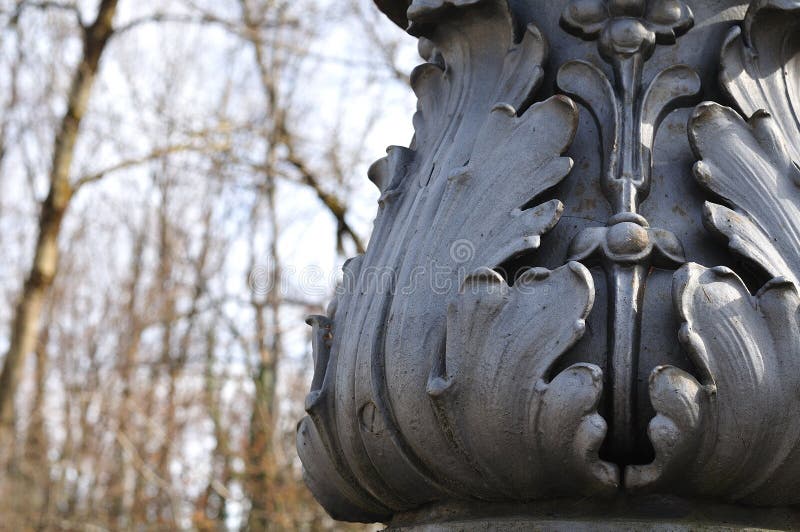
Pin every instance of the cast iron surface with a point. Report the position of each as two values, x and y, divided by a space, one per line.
580 283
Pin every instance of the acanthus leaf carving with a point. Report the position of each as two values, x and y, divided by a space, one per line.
426 394
386 172
732 432
482 153
760 70
748 172
756 169
522 70
324 471
512 165
527 435
497 71
504 167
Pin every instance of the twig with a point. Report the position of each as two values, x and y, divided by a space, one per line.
136 161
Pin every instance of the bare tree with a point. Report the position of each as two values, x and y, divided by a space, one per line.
155 360
45 261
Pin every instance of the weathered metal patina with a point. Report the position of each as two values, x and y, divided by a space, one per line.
579 306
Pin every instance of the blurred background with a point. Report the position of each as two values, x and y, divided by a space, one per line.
180 182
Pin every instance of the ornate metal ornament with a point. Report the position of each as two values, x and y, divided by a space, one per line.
539 330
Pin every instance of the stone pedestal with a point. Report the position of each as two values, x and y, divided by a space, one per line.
579 305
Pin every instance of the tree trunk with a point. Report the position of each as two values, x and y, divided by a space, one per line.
262 467
211 508
129 348
45 262
36 445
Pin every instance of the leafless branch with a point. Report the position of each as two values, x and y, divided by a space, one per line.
70 7
136 161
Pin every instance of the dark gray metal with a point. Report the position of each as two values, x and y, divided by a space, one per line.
535 262
628 116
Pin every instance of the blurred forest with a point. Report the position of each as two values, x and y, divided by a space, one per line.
181 180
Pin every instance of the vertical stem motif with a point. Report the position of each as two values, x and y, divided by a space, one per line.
626 184
626 284
627 178
627 115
